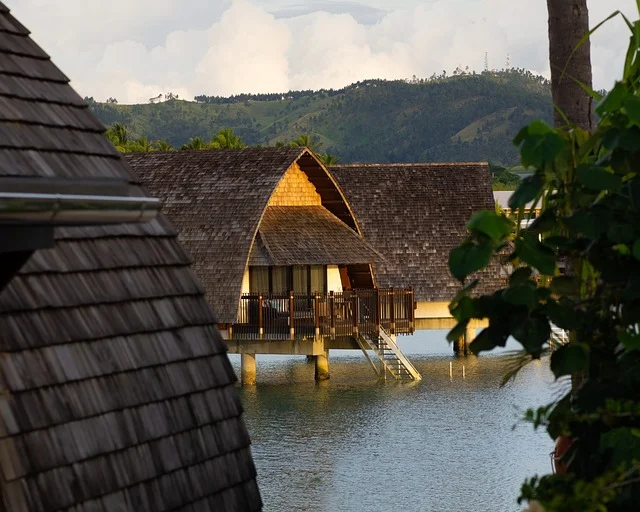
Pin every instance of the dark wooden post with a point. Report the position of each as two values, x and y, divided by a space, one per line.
378 311
317 319
414 305
356 313
333 315
392 304
260 319
292 330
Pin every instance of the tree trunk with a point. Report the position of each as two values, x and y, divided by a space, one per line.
568 23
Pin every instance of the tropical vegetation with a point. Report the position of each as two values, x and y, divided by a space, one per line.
464 117
577 266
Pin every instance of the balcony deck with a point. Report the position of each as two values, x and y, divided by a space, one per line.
295 316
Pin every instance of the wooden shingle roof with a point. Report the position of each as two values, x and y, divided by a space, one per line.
216 199
117 393
414 214
309 235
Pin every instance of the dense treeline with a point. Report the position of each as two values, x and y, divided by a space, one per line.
122 139
442 118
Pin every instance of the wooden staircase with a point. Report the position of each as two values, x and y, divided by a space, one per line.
391 359
558 337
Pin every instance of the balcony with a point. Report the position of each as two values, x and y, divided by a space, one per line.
295 316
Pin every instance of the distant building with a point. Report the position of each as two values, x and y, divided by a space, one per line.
117 393
502 197
287 226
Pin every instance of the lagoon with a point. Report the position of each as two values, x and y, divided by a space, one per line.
354 444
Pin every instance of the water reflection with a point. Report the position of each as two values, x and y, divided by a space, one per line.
353 443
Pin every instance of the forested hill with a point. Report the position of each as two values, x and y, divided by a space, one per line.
457 118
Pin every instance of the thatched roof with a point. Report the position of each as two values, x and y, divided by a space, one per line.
116 390
217 200
414 214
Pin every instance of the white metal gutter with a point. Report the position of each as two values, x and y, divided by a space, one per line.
75 209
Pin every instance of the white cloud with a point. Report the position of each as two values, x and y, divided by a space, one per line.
136 50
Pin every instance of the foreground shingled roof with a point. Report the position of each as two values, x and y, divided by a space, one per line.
117 393
414 214
216 200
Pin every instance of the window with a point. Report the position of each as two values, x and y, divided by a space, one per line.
318 279
258 279
280 282
305 279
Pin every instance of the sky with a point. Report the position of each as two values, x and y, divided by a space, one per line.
134 50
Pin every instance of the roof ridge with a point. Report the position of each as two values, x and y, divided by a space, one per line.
411 164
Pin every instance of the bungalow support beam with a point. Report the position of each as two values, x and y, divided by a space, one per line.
461 345
248 369
322 366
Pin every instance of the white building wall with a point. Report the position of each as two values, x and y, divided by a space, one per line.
334 283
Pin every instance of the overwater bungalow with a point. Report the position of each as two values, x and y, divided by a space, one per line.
117 393
292 266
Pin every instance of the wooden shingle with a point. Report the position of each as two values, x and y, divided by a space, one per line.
414 214
117 393
310 235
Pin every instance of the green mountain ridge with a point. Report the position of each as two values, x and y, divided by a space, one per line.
466 117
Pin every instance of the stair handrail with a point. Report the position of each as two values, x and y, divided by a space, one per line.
359 339
399 354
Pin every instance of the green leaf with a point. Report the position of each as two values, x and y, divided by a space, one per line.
531 251
622 249
565 285
527 191
590 223
469 257
569 359
532 333
622 444
520 295
632 290
619 232
520 276
464 310
547 221
495 226
562 314
632 106
630 340
488 339
458 331
538 150
597 178
636 249
463 293
614 100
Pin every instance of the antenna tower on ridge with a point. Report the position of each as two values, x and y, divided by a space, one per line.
508 62
486 61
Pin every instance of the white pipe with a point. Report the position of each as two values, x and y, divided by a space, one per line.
75 209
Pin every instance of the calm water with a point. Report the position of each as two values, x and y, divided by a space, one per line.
353 444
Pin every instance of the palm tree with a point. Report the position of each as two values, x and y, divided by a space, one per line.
141 145
328 159
118 134
226 139
306 140
163 145
195 143
570 64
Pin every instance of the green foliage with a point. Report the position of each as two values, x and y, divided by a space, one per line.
467 117
226 139
589 188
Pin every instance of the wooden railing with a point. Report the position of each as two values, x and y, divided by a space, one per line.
289 316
